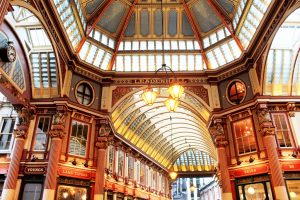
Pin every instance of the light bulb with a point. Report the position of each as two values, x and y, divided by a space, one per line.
65 195
251 190
293 194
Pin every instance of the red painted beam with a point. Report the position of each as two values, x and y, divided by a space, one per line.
94 24
113 59
196 32
224 21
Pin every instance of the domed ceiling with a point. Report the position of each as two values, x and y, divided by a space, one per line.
127 35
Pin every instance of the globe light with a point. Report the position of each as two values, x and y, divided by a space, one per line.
171 104
293 195
251 190
176 91
173 175
149 96
65 195
192 188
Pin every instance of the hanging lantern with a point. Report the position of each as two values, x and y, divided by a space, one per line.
149 96
176 90
173 175
192 187
171 104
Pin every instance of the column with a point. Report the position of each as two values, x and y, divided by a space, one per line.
20 133
57 134
101 145
267 131
218 134
4 8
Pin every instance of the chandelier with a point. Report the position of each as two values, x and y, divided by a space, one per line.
175 90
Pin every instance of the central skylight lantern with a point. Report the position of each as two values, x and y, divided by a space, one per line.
175 89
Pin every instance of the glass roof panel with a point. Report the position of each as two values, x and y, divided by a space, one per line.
281 65
66 13
150 127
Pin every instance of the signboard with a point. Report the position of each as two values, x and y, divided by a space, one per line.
250 171
35 170
74 173
290 166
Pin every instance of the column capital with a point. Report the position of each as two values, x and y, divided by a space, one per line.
58 125
218 133
21 132
291 107
102 143
25 114
267 130
57 133
263 114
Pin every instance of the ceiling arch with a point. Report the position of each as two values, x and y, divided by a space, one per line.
159 133
282 70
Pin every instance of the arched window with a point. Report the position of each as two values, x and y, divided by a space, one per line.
41 55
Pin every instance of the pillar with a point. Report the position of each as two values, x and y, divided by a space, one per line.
218 134
101 145
57 134
20 133
4 8
267 131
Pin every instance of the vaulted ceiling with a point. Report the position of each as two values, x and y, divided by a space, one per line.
127 35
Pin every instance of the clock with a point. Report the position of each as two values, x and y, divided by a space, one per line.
8 53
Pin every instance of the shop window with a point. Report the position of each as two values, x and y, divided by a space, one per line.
41 133
111 153
236 92
255 187
70 192
120 163
84 93
282 129
78 139
244 136
6 133
130 168
293 188
32 191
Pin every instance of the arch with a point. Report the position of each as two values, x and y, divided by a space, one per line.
153 127
41 52
281 70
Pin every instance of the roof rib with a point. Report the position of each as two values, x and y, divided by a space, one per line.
94 24
225 22
196 32
112 61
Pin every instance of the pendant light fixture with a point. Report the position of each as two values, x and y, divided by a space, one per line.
172 173
175 90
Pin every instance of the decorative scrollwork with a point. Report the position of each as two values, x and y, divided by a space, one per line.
263 116
57 133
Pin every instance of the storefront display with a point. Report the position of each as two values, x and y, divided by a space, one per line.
254 188
293 185
72 189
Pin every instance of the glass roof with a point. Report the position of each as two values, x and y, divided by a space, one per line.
39 49
282 74
154 129
194 160
198 34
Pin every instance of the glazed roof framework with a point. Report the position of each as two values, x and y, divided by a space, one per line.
162 135
201 34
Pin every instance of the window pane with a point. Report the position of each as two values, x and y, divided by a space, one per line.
32 191
244 136
6 133
78 139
